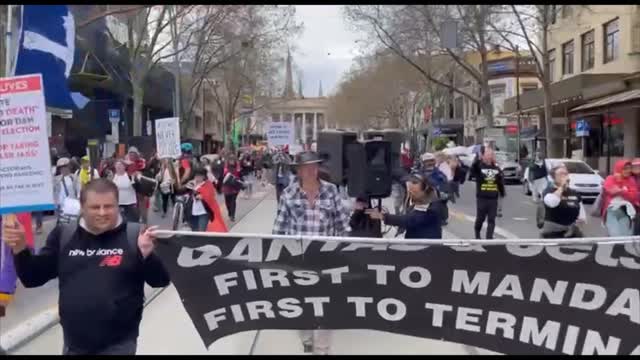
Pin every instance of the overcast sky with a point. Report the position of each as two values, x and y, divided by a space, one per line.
326 48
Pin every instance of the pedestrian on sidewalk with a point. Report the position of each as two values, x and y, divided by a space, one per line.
311 207
136 165
199 211
231 185
438 180
66 195
282 170
489 186
127 199
167 178
538 177
85 174
100 308
423 221
563 211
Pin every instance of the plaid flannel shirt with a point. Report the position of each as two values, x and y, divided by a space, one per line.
329 216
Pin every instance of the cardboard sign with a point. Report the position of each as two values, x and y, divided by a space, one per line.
168 137
280 133
25 164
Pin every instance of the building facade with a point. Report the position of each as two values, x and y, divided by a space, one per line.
509 74
595 61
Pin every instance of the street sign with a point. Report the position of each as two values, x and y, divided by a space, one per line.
582 128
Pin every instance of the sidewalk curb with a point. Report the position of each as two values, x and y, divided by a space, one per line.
37 325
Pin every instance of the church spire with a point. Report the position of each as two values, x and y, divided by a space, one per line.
288 84
300 93
320 90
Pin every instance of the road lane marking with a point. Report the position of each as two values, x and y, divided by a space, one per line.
520 219
498 230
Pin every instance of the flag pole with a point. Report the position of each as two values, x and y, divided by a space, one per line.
7 53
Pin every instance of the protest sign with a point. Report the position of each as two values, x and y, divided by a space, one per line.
26 182
513 299
168 137
280 133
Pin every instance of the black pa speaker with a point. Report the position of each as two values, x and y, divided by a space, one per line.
395 137
370 171
332 148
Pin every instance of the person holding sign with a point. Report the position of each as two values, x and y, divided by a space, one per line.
311 206
102 263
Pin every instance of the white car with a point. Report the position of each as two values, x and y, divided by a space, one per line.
582 178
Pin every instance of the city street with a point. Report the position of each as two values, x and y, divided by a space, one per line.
181 337
519 216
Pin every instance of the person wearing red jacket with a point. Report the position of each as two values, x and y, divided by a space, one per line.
621 184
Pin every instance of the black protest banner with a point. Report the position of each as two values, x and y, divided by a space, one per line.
513 299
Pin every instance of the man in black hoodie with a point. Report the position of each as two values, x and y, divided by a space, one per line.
489 185
101 268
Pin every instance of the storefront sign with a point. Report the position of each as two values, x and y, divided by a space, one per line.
168 137
25 164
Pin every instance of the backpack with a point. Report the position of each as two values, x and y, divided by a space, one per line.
68 230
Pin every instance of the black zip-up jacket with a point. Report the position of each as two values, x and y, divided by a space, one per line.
489 180
537 172
101 296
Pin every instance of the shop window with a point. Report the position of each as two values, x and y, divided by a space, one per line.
611 40
616 141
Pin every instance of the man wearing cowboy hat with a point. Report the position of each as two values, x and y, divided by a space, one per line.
64 184
312 207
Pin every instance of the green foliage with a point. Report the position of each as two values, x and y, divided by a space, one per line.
439 143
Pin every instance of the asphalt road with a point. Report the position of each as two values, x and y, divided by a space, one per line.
519 216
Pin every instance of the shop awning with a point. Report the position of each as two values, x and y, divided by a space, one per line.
609 100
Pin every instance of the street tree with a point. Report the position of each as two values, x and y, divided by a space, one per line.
528 26
149 43
414 31
257 41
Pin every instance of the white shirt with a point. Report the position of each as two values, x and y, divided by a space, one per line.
446 170
125 189
70 186
198 208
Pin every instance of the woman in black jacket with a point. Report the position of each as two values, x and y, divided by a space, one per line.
424 220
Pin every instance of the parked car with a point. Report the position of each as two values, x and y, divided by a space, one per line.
511 170
582 178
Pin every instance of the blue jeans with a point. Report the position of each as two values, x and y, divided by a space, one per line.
199 223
